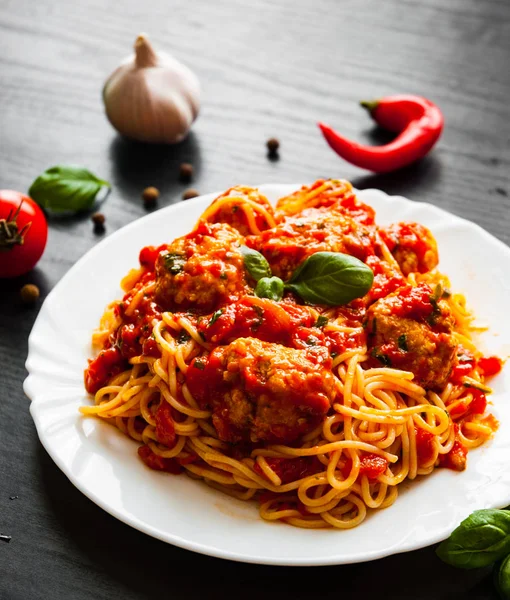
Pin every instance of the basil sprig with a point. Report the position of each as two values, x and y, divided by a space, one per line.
255 263
270 287
66 188
330 278
480 540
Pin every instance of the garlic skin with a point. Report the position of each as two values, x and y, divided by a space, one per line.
152 97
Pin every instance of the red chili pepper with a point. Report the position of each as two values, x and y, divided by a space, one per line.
418 120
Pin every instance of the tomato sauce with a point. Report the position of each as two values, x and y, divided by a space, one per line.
386 280
292 469
165 426
283 323
455 459
371 465
413 302
424 446
149 255
406 235
105 366
490 365
158 463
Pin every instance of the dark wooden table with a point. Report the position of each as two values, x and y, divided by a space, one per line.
268 68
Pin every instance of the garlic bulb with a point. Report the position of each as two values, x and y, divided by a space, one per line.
152 97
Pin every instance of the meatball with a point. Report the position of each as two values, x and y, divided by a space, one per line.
411 329
228 208
412 245
261 391
201 270
314 230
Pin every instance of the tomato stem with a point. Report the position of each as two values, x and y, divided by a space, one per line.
10 236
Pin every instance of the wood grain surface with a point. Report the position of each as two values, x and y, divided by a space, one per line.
268 68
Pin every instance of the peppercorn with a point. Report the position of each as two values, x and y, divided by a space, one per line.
185 172
273 145
190 193
150 196
98 219
29 293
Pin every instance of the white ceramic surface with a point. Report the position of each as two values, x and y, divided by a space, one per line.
103 464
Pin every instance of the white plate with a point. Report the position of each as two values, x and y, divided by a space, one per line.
103 464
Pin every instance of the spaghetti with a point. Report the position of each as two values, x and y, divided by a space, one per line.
318 413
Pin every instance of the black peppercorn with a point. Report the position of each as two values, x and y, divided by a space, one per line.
29 294
273 146
185 172
190 193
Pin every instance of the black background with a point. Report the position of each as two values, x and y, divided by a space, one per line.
267 69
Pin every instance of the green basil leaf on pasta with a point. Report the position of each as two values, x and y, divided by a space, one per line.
270 287
255 263
331 278
66 188
480 540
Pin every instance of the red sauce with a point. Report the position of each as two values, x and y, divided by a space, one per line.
149 255
107 364
479 403
292 469
371 465
424 446
490 365
339 342
205 378
461 370
386 281
134 337
158 463
358 211
283 323
165 427
140 424
249 317
408 236
413 302
187 460
455 459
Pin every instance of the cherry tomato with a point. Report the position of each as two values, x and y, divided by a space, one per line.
23 233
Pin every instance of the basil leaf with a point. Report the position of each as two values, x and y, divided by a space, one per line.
66 188
502 578
331 278
480 540
321 321
402 342
270 287
255 263
216 316
174 263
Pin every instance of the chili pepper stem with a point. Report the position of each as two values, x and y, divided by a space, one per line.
370 105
